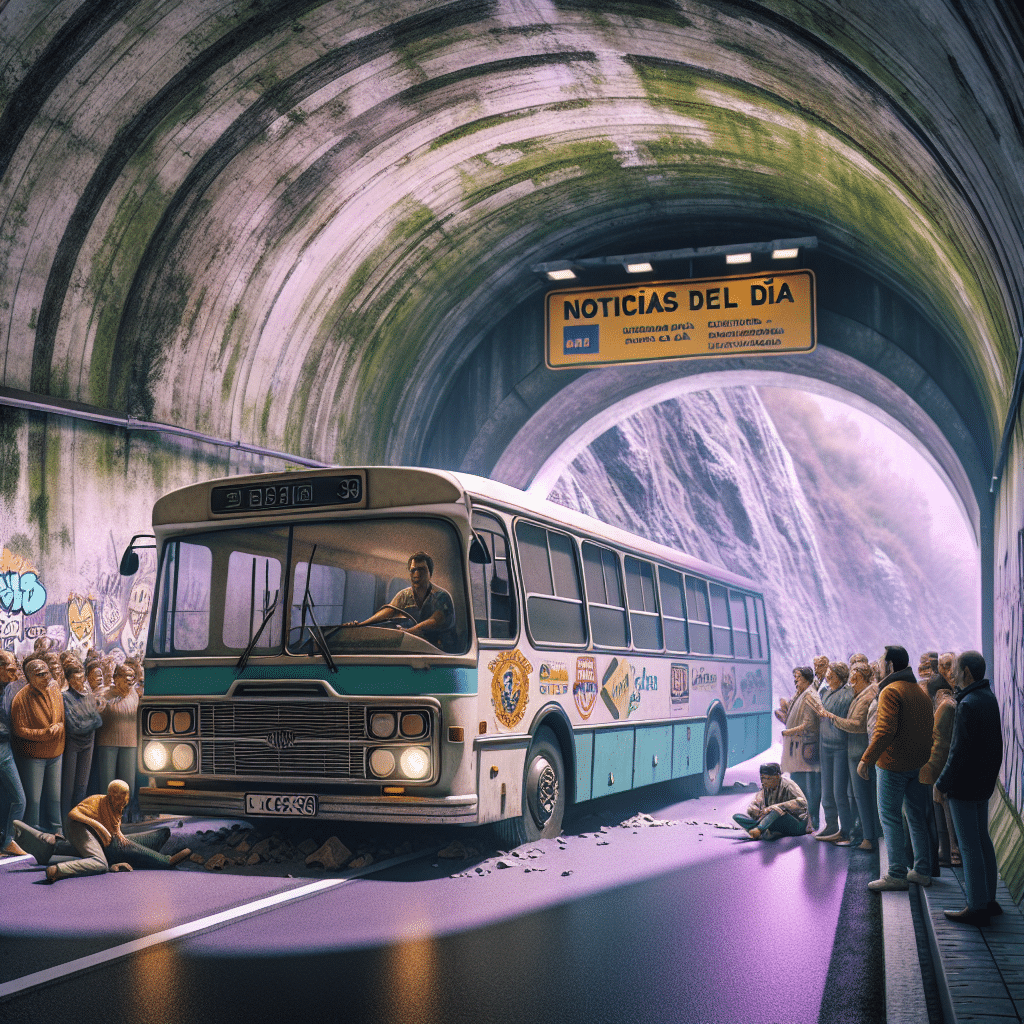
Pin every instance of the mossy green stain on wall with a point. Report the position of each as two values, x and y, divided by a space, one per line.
761 148
12 422
113 269
358 321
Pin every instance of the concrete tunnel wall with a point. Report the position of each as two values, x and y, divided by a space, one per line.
308 226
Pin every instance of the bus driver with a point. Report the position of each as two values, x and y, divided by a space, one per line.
427 606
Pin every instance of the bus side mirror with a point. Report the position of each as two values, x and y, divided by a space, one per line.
130 560
478 553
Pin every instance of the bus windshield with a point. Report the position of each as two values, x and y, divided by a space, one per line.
348 587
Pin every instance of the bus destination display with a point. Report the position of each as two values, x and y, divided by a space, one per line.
313 492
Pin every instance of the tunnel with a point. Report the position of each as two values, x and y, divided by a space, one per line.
238 237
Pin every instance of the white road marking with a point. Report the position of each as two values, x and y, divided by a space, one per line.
203 924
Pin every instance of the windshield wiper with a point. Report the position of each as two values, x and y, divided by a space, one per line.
315 631
243 660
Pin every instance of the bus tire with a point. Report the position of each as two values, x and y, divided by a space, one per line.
714 759
543 802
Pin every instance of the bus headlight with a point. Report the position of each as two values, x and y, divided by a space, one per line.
415 762
414 724
158 722
382 762
382 724
184 721
154 757
183 757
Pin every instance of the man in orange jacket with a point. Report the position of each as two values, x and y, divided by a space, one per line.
900 747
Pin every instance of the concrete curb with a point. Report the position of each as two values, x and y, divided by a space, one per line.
904 987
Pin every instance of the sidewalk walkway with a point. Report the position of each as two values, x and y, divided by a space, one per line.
979 971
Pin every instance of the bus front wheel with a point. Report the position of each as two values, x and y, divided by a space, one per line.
543 802
714 759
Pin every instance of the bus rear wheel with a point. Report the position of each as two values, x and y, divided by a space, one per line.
714 759
543 802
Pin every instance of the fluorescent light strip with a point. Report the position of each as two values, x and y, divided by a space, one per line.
561 275
639 268
785 254
738 257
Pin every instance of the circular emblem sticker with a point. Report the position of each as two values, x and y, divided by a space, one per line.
510 687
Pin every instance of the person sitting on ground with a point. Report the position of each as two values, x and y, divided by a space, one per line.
779 809
95 843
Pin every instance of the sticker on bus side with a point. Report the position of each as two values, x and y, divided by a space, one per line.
510 687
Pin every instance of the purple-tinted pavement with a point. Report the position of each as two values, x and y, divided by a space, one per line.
684 922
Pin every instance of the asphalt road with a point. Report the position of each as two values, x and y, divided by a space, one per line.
682 921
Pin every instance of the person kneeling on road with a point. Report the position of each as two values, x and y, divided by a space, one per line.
780 809
95 843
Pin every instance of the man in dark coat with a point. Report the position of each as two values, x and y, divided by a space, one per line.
968 780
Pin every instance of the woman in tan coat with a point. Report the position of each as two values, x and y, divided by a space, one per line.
800 741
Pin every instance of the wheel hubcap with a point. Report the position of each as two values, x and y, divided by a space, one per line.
542 792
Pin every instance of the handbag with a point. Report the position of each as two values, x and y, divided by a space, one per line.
809 751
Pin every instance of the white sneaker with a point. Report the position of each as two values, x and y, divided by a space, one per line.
913 876
889 884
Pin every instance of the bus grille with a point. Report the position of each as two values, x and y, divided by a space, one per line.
330 720
288 739
304 760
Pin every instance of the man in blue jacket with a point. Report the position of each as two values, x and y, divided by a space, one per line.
968 781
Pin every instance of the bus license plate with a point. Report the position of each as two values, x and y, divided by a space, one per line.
290 804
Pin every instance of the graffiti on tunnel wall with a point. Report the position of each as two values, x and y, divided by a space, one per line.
105 611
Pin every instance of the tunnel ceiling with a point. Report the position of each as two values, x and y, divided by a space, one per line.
296 223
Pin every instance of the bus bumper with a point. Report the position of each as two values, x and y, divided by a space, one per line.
412 810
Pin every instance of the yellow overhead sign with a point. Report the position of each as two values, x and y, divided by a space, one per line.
762 314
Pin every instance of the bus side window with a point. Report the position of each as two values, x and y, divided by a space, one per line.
183 607
740 630
673 609
493 597
604 597
720 619
554 597
644 620
699 615
762 629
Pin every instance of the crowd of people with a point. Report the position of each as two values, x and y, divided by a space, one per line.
874 751
67 731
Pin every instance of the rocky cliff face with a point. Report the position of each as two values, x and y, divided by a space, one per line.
710 474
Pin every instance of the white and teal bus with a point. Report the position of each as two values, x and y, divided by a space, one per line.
569 660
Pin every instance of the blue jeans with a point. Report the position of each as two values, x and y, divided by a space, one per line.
866 797
892 791
810 783
779 824
11 792
41 779
835 777
116 763
75 772
981 872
